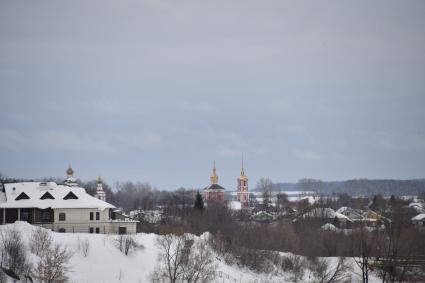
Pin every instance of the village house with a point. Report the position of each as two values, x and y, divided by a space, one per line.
321 215
61 208
419 221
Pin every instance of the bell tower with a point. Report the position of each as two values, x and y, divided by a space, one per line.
242 187
100 193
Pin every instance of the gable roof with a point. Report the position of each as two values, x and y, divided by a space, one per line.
35 190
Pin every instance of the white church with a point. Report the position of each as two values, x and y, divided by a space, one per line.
61 208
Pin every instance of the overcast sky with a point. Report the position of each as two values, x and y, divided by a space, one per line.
155 90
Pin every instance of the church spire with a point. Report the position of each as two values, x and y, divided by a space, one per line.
214 176
242 168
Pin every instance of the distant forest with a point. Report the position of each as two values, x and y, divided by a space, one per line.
356 187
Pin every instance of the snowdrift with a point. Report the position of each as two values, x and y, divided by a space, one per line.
104 262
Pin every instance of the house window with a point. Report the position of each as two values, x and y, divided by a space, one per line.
97 230
22 196
61 230
70 195
45 216
47 195
97 216
62 216
91 230
91 216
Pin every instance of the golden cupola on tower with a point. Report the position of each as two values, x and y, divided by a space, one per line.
214 192
214 176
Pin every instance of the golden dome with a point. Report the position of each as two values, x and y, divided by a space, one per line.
69 171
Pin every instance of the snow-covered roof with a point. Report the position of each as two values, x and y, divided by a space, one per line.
262 216
350 212
235 205
419 217
31 192
325 212
418 207
274 193
328 227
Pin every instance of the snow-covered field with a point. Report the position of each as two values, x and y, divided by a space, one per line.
105 263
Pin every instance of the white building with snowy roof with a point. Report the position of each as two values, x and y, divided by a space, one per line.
322 215
419 221
61 208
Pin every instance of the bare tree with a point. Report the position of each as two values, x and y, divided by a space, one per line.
129 244
53 265
325 274
2 276
13 253
200 266
171 261
399 244
178 261
365 241
265 185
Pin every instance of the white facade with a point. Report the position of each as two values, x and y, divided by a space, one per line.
60 208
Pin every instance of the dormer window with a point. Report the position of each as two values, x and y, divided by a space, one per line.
70 195
22 196
47 195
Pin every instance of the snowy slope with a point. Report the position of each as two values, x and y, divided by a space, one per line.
105 263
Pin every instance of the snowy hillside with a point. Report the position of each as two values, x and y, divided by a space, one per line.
104 262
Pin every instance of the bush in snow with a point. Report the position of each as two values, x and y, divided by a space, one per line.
13 251
53 265
126 243
40 241
85 247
